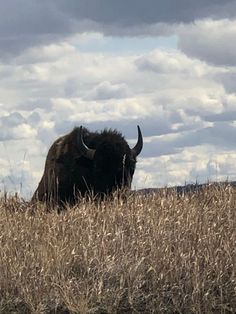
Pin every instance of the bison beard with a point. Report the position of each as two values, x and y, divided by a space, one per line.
87 162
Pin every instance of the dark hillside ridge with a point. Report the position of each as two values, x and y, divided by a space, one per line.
188 188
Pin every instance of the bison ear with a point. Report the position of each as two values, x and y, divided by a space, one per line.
138 147
83 149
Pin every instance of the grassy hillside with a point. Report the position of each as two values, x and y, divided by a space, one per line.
155 253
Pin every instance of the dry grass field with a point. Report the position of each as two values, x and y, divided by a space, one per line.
155 253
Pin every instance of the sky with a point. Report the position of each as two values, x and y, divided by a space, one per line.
168 66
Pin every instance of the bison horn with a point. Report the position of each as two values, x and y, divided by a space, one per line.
138 147
83 148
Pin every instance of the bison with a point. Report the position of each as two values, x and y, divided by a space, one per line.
84 161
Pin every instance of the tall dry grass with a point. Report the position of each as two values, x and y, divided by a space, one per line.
157 253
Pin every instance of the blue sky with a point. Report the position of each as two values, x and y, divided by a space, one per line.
118 64
127 45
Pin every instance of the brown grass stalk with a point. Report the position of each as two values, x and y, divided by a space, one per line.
156 253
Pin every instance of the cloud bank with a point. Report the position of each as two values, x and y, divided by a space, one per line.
54 75
28 23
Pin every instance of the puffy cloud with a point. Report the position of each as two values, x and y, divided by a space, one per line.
214 135
73 74
29 23
120 114
227 79
12 120
224 116
191 165
14 126
172 62
33 104
210 40
46 53
106 90
34 118
17 180
21 164
184 106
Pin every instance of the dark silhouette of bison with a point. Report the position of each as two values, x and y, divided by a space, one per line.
87 162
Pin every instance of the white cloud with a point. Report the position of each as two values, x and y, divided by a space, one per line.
172 62
197 164
45 54
25 24
210 40
12 120
184 103
106 90
15 126
95 111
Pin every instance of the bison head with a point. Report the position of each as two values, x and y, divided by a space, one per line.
113 161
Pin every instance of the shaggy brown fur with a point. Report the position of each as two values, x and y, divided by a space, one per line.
68 173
